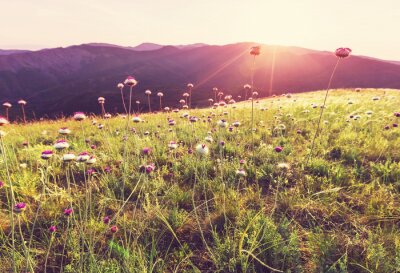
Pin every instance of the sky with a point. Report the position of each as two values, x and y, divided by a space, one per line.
369 27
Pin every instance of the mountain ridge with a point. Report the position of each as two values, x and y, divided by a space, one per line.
69 79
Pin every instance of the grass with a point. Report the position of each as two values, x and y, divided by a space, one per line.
193 212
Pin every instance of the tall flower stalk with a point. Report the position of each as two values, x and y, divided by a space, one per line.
160 95
7 107
190 88
121 87
101 101
341 53
22 103
148 94
254 51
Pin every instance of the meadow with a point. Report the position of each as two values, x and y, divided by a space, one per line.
197 190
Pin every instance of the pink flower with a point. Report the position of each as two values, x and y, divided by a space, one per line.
20 207
52 229
278 149
106 219
7 105
46 154
68 211
130 81
255 50
114 229
342 52
3 121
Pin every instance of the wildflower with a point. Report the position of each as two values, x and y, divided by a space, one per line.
172 145
202 149
395 125
160 94
136 119
241 173
93 147
222 123
107 115
397 114
278 149
342 52
23 165
147 92
387 127
146 150
91 171
120 85
7 105
376 98
61 144
101 100
255 50
130 81
236 124
149 168
106 219
209 139
1 184
64 131
47 154
83 157
91 160
68 157
52 229
242 162
68 211
114 229
171 122
19 207
3 121
283 166
100 126
79 116
22 102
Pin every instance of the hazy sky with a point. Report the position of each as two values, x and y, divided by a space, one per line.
369 27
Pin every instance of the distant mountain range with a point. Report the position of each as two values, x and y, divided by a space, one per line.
64 80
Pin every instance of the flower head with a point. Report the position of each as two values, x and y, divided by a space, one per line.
114 229
22 102
202 149
47 154
120 85
68 211
130 81
79 116
19 207
64 131
83 157
61 144
342 52
255 50
3 121
278 149
101 100
52 229
147 92
160 94
7 105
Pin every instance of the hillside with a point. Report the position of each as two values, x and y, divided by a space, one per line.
204 193
70 79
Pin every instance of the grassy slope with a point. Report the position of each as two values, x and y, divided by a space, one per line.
337 214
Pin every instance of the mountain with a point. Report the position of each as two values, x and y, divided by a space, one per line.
64 80
11 51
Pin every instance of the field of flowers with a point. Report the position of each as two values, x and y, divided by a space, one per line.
197 190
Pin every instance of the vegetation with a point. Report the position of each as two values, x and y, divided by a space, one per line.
244 201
